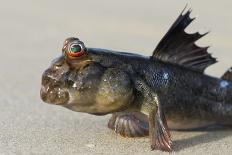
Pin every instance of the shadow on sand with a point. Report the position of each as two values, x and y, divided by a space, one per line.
213 133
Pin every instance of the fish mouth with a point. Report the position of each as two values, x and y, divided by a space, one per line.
54 95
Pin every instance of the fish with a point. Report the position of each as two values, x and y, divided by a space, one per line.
146 95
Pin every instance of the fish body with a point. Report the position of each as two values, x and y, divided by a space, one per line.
191 98
146 95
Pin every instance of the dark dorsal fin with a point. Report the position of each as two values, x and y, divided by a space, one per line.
178 47
227 75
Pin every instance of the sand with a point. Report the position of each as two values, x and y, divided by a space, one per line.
32 34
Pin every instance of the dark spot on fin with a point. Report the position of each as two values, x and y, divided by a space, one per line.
129 124
162 140
228 75
178 47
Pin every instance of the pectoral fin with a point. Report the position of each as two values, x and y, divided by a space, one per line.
158 131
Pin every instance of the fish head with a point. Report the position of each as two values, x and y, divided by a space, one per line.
77 81
68 79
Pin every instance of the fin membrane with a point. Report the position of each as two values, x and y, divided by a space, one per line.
129 124
178 47
162 140
228 75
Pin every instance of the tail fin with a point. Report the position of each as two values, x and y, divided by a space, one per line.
227 75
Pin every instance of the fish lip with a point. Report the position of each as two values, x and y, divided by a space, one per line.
54 96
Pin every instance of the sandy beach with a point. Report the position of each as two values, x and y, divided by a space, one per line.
32 34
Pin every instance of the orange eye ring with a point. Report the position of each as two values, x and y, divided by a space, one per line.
78 54
76 50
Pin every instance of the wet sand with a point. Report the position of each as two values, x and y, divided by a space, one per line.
32 34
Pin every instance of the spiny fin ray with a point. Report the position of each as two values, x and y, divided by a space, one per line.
178 47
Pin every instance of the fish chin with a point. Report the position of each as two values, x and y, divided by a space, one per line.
55 95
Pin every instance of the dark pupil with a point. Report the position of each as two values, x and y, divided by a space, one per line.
76 48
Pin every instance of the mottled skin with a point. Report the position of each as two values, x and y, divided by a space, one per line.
138 90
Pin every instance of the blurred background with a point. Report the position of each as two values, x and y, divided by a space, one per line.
32 34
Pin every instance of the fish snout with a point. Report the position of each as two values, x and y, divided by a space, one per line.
53 88
54 95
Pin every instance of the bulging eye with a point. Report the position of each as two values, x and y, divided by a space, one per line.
76 50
